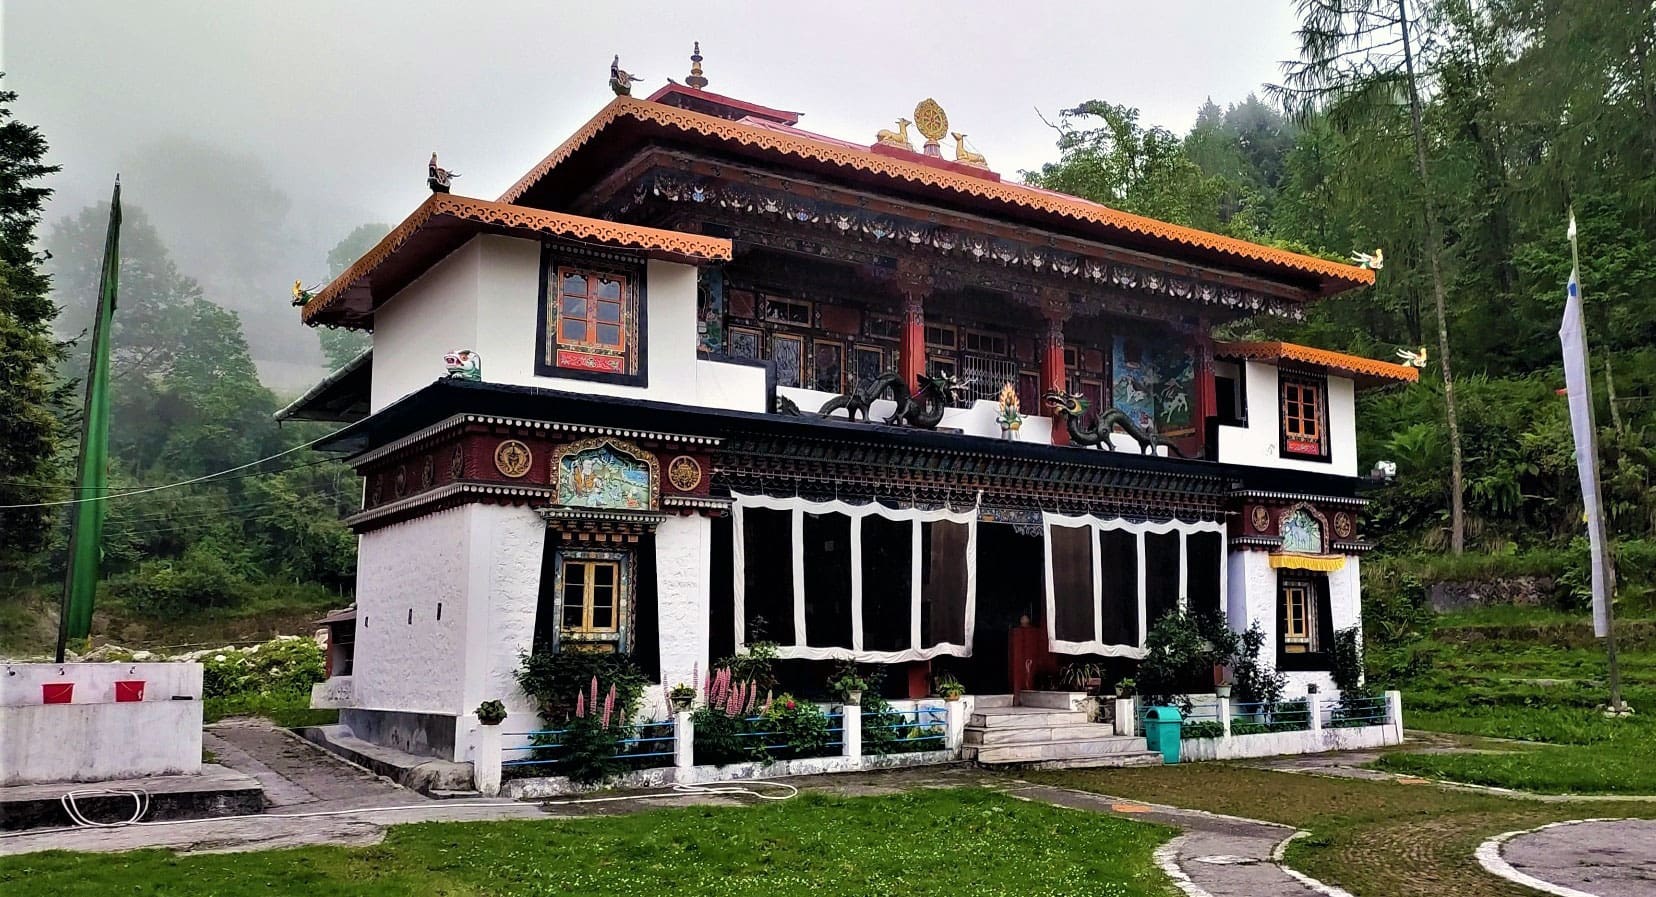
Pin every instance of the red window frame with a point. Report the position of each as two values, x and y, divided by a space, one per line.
1304 409
592 317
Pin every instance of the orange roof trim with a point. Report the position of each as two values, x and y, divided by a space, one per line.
672 244
838 153
1356 365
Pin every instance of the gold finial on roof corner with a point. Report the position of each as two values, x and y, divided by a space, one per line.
696 78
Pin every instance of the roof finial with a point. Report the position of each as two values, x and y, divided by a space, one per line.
696 79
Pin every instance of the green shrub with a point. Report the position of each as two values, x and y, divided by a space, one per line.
800 726
1180 652
1207 728
553 679
288 664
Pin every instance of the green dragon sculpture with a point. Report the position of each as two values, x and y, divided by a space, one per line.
1072 407
923 410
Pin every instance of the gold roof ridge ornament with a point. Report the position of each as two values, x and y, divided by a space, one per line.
932 123
696 79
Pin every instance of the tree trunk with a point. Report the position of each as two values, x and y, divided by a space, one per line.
1457 510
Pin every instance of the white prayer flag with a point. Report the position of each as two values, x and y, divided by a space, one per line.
1578 385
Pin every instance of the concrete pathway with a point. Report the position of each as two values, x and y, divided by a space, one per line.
1584 858
1217 856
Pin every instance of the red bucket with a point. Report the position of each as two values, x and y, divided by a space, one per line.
57 692
129 690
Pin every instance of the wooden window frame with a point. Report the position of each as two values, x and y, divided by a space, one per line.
970 333
804 355
758 342
836 344
586 636
1299 630
852 367
1296 444
873 318
626 363
766 300
950 329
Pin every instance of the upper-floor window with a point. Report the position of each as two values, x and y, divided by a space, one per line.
985 343
1304 418
591 324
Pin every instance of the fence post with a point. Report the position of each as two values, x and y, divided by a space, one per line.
486 760
851 722
684 744
954 725
1313 703
1224 711
1124 716
1394 715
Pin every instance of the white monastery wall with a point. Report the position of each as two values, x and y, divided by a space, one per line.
684 552
407 659
506 548
1257 443
430 317
485 297
1253 598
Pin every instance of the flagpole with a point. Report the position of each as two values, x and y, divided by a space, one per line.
1606 570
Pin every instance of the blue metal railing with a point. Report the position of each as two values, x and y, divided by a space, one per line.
920 725
1367 710
648 741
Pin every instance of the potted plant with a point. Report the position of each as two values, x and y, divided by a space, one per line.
948 686
1081 676
491 713
1124 688
681 697
848 686
1222 680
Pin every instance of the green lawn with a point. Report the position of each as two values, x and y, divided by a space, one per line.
942 842
1494 674
1372 838
287 709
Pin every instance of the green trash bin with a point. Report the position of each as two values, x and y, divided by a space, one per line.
1162 731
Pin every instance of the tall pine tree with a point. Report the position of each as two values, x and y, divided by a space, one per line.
30 398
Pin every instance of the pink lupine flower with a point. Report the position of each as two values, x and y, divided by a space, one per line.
733 704
593 702
609 708
580 705
752 698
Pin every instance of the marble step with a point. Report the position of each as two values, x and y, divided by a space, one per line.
1051 700
987 717
1112 761
1035 734
1043 752
981 701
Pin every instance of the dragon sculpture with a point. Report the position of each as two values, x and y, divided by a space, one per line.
1072 407
923 410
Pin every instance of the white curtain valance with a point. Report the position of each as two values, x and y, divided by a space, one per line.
1097 645
799 507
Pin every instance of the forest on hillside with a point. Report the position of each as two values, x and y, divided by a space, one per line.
1460 158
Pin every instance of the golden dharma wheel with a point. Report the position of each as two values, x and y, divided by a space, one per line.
930 120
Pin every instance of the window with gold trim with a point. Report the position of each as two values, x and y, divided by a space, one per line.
594 597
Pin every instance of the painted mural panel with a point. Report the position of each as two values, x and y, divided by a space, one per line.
601 477
1302 532
1133 387
1175 392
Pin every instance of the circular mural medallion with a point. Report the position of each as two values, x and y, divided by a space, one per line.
1261 519
685 473
930 121
1343 526
399 483
513 458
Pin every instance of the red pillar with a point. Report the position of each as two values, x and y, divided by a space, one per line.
1206 401
1053 375
914 280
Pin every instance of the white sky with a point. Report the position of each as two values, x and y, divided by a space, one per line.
345 101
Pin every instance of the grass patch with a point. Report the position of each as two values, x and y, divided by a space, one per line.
287 709
1371 838
932 842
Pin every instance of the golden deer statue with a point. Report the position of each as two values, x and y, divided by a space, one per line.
965 156
898 137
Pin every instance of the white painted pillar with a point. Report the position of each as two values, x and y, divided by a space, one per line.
1224 711
1394 715
684 743
954 729
1313 701
851 740
1124 716
486 760
683 547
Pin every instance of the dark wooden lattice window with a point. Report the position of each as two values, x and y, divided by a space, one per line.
1304 418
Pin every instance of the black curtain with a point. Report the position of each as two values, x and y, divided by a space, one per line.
827 544
887 580
1072 583
721 598
1161 575
767 546
1204 557
1118 552
943 590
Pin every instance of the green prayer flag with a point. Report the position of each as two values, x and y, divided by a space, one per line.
92 476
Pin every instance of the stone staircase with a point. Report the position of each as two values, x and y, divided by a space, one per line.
1042 731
